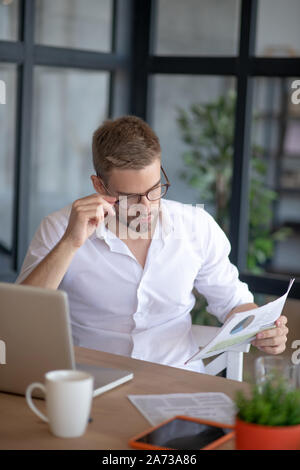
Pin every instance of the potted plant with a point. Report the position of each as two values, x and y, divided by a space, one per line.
268 419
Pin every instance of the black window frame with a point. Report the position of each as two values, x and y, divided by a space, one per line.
132 64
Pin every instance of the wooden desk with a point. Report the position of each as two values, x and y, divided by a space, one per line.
115 419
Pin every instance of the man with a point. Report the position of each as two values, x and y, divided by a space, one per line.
129 259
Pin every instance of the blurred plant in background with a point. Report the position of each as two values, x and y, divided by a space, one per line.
208 130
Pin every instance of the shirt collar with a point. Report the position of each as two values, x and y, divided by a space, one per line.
167 222
164 222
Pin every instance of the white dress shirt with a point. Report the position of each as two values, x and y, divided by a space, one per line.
118 307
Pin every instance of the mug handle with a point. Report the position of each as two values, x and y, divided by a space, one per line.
30 402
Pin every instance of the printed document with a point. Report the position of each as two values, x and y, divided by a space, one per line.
212 406
242 327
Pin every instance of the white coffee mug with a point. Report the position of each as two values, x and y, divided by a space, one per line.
69 396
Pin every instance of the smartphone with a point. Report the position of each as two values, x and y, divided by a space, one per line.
184 432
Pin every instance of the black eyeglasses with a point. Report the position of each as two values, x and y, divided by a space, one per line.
152 194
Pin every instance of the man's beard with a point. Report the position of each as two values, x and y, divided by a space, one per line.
131 222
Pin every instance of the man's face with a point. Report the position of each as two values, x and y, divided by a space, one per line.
140 216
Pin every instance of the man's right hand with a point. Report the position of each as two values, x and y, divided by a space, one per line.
86 214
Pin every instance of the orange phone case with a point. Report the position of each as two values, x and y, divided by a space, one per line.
213 445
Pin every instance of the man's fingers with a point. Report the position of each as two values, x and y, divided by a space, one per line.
96 195
270 341
281 320
273 340
278 331
97 215
94 205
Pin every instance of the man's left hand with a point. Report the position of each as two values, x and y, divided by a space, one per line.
273 341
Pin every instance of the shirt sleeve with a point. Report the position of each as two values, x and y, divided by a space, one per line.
218 279
45 238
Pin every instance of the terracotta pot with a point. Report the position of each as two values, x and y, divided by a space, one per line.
250 436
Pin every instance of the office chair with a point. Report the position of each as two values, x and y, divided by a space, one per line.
231 360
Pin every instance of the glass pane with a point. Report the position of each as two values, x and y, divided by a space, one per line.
197 27
194 119
68 107
74 23
274 216
8 82
278 32
9 20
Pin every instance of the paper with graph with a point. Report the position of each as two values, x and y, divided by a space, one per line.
242 327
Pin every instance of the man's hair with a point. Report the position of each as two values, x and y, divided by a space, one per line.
126 142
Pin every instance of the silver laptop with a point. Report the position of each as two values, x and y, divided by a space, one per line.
36 337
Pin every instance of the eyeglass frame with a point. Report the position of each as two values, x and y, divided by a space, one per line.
167 184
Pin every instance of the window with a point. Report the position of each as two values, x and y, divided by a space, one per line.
77 24
66 72
149 58
68 106
177 94
274 216
265 125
